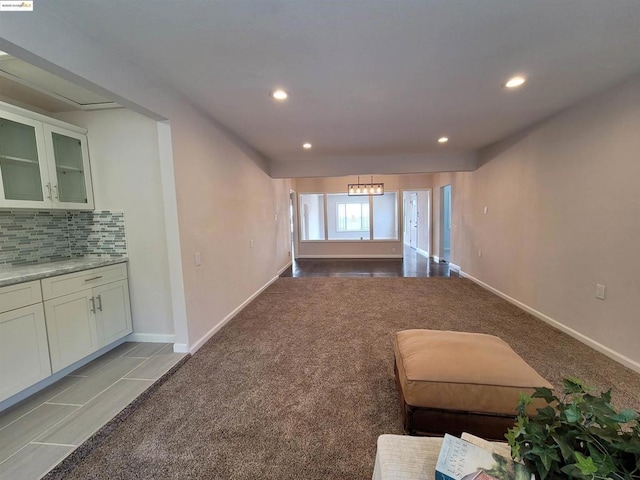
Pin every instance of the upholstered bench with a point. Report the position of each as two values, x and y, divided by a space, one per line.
454 382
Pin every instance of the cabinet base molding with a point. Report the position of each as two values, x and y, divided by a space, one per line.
151 337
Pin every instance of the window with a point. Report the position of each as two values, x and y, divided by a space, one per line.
373 217
347 217
353 217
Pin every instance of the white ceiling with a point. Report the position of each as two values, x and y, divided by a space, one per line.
371 78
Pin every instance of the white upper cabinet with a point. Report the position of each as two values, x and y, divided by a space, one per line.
44 163
69 170
23 166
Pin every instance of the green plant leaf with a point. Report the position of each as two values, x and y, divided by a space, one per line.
624 416
524 401
574 385
546 415
544 393
566 449
572 471
585 464
572 414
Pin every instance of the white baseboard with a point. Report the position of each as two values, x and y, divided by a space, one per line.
197 345
284 268
151 337
422 252
383 255
453 266
618 357
436 258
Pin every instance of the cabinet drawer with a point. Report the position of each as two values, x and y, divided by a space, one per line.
74 282
20 295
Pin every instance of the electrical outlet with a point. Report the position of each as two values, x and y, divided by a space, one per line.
197 259
479 253
251 244
600 291
486 210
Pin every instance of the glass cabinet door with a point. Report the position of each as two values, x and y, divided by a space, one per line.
69 158
20 168
69 169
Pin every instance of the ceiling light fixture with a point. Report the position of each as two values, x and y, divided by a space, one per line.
359 189
280 95
515 82
443 139
306 146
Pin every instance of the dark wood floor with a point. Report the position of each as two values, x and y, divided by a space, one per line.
412 265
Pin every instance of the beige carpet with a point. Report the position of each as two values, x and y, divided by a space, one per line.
300 384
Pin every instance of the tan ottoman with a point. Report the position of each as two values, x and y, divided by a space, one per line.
454 382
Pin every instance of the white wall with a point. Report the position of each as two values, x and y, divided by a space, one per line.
123 148
563 215
224 202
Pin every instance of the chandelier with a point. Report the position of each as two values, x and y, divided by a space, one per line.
371 188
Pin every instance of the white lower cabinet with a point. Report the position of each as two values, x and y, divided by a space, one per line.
82 322
71 328
49 324
24 355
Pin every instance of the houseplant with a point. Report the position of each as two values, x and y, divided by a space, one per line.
577 435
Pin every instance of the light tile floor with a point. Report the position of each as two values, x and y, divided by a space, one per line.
41 431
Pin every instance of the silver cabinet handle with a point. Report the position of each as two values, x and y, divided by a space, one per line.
93 305
92 278
49 191
99 297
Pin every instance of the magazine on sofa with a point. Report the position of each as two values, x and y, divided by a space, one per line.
462 460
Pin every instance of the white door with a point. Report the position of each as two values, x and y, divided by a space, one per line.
413 220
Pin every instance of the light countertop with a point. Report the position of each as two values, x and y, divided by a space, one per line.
12 274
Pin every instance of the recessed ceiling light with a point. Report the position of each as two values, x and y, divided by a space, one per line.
515 82
443 139
306 146
280 94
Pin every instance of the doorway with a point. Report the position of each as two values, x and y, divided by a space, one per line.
413 220
292 223
417 220
445 223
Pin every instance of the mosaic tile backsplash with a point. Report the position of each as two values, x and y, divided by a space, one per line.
31 237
